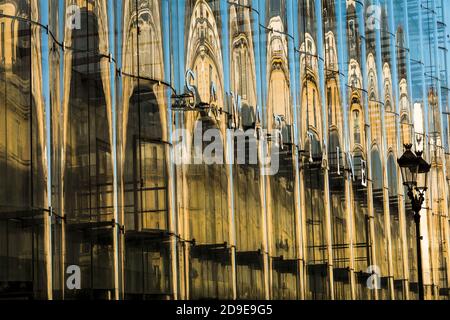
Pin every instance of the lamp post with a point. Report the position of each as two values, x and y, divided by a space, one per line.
411 165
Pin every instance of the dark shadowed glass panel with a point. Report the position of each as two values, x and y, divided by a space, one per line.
145 195
88 168
380 230
397 253
23 180
317 285
210 264
362 249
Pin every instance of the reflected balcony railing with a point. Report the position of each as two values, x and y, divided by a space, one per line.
219 253
282 265
252 259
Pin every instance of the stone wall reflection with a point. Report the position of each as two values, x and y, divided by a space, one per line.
87 177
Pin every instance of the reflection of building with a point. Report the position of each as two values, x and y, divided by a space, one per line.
87 176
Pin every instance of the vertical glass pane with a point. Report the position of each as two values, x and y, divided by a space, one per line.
206 204
311 135
87 163
246 173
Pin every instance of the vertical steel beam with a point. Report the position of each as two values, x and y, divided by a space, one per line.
292 12
260 7
343 76
117 267
401 195
444 113
384 152
45 67
325 168
229 145
255 13
425 119
173 221
60 148
177 72
444 160
360 14
434 172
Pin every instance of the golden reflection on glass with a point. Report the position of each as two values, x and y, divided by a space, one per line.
246 177
142 153
280 205
206 204
23 159
140 226
87 160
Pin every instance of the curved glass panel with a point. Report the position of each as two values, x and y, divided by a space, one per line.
143 149
311 134
87 160
247 176
379 222
397 254
24 254
207 207
280 193
336 153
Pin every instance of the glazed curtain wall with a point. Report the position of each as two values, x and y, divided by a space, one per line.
24 222
88 112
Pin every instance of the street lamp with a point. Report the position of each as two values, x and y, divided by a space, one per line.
411 165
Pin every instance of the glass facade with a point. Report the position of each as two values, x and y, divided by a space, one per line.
98 99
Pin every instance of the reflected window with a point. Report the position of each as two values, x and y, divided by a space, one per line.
275 7
351 34
314 108
401 54
330 104
242 61
325 18
351 28
145 170
3 41
356 126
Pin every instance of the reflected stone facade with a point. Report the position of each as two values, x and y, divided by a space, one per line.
92 94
